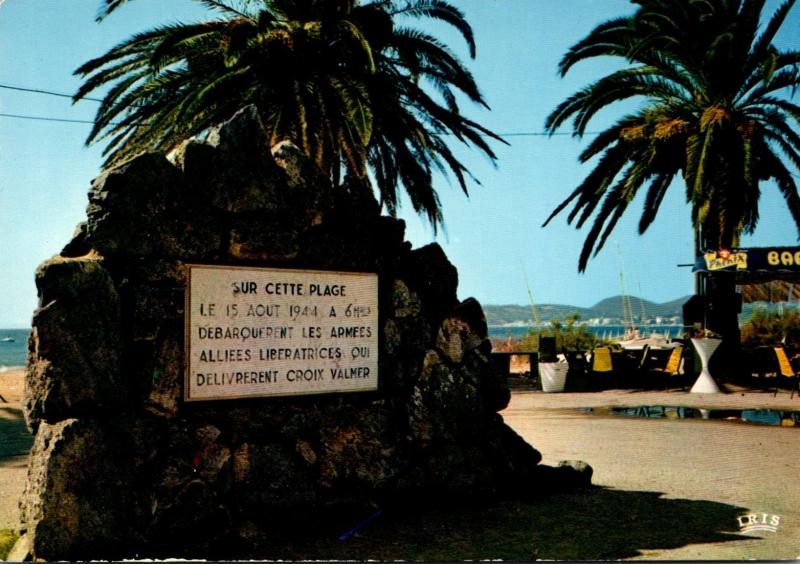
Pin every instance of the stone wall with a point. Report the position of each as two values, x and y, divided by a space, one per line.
121 466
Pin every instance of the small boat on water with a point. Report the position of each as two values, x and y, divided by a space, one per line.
654 341
7 340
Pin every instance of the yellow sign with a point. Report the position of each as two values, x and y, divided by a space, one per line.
258 332
720 260
783 258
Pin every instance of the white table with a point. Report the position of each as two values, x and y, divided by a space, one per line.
705 383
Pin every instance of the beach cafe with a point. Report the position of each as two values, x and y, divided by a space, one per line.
762 274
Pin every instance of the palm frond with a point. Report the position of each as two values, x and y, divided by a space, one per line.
655 195
342 80
596 183
609 38
444 11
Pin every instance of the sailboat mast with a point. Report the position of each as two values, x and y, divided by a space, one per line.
534 311
641 301
627 310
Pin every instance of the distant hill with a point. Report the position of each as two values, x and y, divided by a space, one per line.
607 311
612 307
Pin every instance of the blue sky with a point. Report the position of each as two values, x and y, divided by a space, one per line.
494 237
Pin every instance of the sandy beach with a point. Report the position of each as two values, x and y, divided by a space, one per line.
719 469
15 441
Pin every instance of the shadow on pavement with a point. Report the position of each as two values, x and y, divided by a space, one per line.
593 524
590 524
15 440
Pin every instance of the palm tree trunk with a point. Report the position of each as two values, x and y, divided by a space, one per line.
723 305
698 251
722 314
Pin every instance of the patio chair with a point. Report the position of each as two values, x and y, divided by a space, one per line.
577 362
674 364
601 360
577 377
786 369
644 359
672 373
603 373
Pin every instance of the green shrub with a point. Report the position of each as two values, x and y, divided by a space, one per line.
569 335
771 327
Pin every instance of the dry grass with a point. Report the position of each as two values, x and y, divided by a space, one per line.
7 540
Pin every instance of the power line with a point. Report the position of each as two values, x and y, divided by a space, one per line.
92 122
45 118
528 134
539 133
67 120
60 120
47 92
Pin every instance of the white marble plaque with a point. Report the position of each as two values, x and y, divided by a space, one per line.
259 332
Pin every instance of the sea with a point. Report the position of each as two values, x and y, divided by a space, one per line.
13 353
602 331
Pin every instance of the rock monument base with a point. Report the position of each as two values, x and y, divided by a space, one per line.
122 466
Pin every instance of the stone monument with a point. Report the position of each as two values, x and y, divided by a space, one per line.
195 378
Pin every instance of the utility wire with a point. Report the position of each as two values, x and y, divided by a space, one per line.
60 120
91 122
48 92
66 120
43 118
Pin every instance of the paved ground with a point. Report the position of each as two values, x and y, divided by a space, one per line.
739 398
747 468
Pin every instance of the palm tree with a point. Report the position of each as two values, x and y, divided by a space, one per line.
342 79
711 113
713 108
